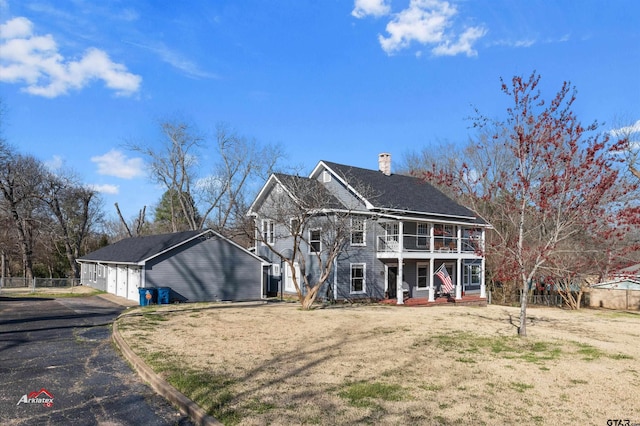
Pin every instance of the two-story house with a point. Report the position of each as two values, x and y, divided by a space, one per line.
405 238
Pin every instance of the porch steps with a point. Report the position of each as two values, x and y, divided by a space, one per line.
470 300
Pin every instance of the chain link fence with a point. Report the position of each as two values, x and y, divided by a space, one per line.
23 285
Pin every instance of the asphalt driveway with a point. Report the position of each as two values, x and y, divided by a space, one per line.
58 366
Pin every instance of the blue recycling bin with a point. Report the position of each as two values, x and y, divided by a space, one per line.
163 295
147 296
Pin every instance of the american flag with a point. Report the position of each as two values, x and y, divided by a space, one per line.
442 273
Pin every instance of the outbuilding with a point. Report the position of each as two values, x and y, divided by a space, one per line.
197 266
623 293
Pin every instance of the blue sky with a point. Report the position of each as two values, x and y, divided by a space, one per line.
337 80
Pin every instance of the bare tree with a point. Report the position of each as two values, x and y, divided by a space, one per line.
75 208
206 192
174 166
21 180
138 224
631 133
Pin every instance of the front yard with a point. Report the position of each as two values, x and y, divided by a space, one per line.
276 364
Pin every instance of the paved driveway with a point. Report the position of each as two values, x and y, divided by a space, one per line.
59 351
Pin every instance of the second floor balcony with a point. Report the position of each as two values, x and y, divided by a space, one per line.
434 239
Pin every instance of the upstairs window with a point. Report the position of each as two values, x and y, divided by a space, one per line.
294 226
357 232
315 243
422 234
268 236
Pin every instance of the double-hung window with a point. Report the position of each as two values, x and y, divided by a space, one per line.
268 236
294 226
358 281
315 242
422 234
357 231
423 275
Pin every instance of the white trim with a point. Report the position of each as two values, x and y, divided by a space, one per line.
268 235
424 265
364 278
319 240
363 230
345 183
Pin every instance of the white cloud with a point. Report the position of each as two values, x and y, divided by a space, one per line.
362 8
177 60
55 163
514 43
35 61
115 163
464 44
426 22
627 130
105 188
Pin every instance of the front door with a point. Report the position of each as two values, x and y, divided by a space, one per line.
392 281
289 286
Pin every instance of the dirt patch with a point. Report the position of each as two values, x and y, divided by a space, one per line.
276 364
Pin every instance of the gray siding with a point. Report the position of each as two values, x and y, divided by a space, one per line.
344 195
86 276
374 268
207 270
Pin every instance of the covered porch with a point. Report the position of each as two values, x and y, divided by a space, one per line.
437 279
423 259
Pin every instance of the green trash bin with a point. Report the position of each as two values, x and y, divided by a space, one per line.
147 296
163 295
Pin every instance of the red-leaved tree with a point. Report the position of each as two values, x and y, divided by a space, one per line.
552 189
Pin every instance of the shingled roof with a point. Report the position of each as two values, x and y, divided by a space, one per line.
311 188
403 193
138 249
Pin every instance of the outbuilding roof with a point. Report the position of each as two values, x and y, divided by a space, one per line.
138 249
621 284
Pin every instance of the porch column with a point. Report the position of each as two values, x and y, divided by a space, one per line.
483 286
458 280
431 289
399 290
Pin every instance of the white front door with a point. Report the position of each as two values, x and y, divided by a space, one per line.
289 286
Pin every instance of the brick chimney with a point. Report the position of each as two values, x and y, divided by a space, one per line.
384 163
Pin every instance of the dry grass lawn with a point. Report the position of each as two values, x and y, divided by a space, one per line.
276 364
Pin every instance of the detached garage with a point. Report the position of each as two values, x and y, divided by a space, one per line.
198 266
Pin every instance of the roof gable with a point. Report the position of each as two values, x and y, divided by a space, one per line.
308 191
297 187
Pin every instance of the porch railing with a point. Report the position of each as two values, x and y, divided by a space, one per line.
422 243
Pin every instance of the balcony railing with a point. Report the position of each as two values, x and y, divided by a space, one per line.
422 243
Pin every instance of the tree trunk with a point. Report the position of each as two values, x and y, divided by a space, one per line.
522 329
310 298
